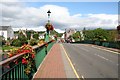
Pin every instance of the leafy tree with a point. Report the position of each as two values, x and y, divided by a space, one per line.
89 35
97 34
76 36
36 35
16 42
2 41
33 42
112 35
101 34
28 33
22 38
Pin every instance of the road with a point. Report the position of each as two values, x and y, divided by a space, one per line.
90 62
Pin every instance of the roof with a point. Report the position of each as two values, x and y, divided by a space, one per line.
42 34
4 27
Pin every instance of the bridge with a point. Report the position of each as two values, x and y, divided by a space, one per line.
85 60
65 60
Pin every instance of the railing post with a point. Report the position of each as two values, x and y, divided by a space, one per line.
46 50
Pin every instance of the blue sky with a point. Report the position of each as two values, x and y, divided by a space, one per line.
82 7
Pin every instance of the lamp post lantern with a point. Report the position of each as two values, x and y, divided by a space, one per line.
48 15
48 27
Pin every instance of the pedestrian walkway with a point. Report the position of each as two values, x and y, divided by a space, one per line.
55 65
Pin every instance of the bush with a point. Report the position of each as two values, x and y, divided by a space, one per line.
16 43
33 42
36 36
22 38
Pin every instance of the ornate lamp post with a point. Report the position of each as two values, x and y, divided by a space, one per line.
48 27
48 15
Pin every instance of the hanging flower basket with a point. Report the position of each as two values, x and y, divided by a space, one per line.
49 26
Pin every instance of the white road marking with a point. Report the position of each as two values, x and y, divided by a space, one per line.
83 77
102 57
106 50
105 58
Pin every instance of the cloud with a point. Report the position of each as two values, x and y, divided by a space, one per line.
35 18
60 1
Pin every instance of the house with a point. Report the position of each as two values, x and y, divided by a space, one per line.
42 36
6 32
68 33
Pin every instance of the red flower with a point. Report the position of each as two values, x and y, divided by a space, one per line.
52 28
26 51
24 61
10 54
33 55
19 51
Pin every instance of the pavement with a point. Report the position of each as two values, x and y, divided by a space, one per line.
55 65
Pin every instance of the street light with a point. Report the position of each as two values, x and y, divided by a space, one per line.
48 27
48 15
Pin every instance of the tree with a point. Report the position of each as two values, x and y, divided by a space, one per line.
97 34
33 42
36 35
16 42
101 34
89 35
28 33
76 36
22 38
2 41
112 35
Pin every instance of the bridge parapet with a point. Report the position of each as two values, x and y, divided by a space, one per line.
9 70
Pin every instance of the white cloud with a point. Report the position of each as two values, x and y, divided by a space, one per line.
35 18
60 1
59 30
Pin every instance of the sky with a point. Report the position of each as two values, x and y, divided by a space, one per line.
64 15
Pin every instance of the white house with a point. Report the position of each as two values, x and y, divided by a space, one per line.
42 36
7 32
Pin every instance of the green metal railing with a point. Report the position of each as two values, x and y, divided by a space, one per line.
16 71
115 44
